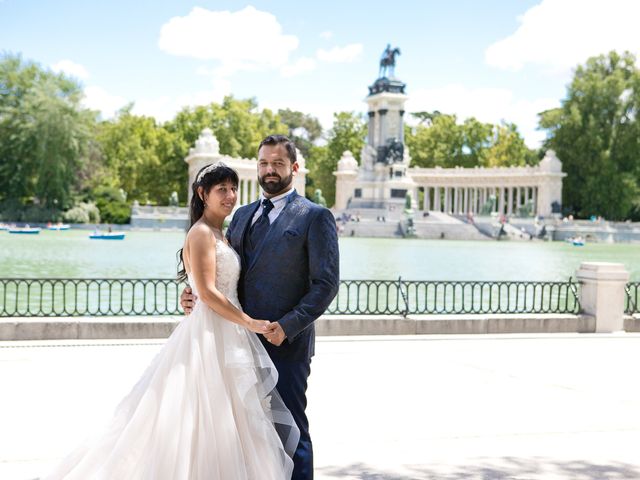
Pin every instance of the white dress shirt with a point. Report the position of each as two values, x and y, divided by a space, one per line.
279 203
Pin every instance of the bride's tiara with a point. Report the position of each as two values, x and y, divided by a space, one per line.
209 169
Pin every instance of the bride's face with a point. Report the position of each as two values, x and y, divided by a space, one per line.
222 198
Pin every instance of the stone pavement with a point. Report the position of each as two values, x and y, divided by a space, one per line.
558 406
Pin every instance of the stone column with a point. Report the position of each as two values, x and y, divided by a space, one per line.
436 199
427 199
382 139
371 130
534 196
447 202
510 201
474 209
602 294
245 191
254 193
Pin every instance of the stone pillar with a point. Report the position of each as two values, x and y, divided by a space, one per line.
510 201
447 200
427 200
245 191
474 209
501 200
254 193
534 196
371 130
436 199
602 294
382 139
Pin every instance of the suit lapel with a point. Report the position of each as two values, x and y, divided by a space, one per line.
243 228
274 230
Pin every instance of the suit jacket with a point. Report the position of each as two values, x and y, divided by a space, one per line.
294 273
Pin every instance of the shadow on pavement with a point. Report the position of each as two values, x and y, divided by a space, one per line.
495 469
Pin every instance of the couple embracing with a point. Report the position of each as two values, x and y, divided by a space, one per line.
225 398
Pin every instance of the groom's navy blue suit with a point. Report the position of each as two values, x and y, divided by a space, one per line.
290 276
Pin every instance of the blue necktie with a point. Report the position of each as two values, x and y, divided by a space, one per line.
261 226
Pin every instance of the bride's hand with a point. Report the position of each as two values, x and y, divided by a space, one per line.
259 326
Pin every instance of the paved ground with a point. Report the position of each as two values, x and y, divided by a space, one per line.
562 406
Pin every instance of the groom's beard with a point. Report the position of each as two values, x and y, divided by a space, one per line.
275 187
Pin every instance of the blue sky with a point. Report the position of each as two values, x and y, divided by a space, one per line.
495 60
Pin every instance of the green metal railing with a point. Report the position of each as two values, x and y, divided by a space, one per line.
454 297
61 297
632 302
57 297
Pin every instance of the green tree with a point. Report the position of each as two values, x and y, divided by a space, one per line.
139 158
44 134
304 129
596 135
348 133
441 141
507 148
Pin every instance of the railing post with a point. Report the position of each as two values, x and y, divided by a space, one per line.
404 298
602 294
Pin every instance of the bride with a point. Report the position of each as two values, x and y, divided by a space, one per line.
206 408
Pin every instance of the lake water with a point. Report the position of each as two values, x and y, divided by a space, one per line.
70 254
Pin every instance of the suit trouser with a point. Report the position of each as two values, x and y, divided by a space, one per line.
292 387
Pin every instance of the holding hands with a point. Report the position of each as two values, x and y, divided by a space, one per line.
272 331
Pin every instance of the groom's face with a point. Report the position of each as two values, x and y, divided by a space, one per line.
275 170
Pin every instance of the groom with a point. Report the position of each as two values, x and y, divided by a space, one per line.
289 251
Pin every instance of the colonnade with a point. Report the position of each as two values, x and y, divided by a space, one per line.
462 200
248 190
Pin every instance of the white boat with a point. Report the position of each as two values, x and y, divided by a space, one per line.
59 226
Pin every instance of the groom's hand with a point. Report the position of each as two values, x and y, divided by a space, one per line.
276 334
187 300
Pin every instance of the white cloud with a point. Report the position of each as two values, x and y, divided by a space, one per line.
96 98
345 54
71 68
162 108
491 105
248 39
559 34
302 65
326 34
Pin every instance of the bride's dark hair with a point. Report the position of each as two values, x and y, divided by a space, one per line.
207 177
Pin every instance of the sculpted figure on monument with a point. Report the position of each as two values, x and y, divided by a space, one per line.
388 61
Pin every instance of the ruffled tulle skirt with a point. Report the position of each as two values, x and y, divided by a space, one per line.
205 409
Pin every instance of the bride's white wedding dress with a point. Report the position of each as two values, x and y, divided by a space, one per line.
206 408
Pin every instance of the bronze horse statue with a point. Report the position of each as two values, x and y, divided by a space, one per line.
388 61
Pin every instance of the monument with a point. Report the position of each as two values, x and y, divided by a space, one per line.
381 181
379 185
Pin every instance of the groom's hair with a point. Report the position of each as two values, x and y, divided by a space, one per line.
282 140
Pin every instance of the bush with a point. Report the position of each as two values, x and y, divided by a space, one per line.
112 205
83 213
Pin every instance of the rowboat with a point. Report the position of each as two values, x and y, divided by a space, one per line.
107 236
24 230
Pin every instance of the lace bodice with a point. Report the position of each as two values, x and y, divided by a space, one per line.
227 272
